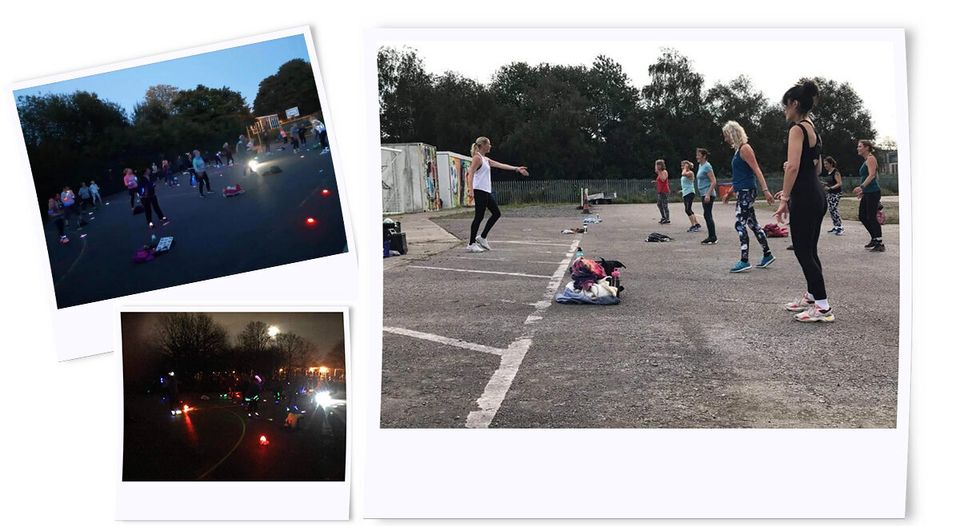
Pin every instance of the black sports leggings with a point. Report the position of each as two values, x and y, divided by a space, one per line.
149 205
481 202
688 203
806 216
868 213
708 217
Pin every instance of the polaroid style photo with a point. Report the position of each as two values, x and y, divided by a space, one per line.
640 274
225 410
200 175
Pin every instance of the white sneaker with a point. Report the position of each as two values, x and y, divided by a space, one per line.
483 243
802 304
473 247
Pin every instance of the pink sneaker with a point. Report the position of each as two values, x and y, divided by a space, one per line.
801 304
815 314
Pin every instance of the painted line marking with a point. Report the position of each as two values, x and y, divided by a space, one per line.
518 274
309 196
83 250
496 390
445 341
534 243
243 433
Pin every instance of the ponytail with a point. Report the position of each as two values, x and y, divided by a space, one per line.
477 144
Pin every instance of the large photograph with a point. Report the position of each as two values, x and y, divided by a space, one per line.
182 170
640 234
234 396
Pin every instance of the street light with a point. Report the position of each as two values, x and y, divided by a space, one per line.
273 331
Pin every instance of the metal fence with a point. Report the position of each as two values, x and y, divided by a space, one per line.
628 190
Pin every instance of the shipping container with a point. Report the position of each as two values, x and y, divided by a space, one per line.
455 190
409 177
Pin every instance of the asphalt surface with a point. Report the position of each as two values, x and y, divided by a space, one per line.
217 440
213 236
690 346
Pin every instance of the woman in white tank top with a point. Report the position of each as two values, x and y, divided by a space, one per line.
479 173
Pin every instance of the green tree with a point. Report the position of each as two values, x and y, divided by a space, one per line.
162 95
676 112
405 91
739 101
68 138
842 120
293 85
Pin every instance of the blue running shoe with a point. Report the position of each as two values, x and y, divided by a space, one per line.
766 261
741 266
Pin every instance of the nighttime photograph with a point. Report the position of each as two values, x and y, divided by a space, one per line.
234 396
182 170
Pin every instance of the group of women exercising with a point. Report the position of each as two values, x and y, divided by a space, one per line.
811 185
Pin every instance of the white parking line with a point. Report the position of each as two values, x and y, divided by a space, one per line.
518 274
501 381
535 243
444 340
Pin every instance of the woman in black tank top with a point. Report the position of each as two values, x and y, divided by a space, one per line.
804 201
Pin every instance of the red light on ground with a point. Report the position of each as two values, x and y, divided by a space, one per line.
311 222
263 440
325 192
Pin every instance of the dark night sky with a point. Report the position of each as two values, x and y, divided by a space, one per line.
325 329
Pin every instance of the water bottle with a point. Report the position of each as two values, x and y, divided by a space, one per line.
616 278
579 253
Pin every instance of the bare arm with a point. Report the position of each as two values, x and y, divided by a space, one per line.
748 155
790 169
839 180
871 171
521 169
708 195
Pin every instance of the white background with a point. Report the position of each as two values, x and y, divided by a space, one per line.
58 456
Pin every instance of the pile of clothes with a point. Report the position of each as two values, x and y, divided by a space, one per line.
775 230
593 283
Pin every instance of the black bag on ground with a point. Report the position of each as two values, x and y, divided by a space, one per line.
657 237
398 242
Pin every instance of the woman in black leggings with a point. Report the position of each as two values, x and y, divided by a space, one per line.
804 201
479 174
868 192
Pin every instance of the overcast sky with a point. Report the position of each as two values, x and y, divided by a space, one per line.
773 66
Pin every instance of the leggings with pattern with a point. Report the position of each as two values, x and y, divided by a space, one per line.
833 204
747 218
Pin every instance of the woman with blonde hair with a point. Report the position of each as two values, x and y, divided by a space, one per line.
868 192
746 174
483 198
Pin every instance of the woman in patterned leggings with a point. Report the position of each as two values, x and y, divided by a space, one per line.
746 174
833 184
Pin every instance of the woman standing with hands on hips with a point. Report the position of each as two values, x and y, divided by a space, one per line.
483 192
868 192
804 201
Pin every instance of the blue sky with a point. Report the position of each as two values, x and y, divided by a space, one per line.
240 69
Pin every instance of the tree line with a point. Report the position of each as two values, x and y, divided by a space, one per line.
81 137
578 122
194 345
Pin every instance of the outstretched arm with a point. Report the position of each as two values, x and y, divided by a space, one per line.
520 169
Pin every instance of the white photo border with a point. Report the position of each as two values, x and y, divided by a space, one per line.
218 500
627 473
257 285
